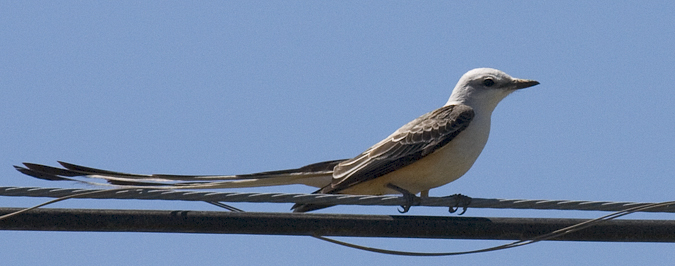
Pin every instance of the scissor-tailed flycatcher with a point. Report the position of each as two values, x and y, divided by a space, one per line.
430 151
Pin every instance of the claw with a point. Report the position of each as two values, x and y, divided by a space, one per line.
405 209
460 201
410 198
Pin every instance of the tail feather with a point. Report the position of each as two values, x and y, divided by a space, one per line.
309 207
316 175
298 207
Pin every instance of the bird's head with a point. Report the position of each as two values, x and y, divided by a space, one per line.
484 88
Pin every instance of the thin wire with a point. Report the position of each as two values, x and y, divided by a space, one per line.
554 234
219 204
54 201
519 243
225 206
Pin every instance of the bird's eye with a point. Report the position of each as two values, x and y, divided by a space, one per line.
488 82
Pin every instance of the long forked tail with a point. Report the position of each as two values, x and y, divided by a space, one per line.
316 175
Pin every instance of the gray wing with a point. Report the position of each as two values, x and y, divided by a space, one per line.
408 144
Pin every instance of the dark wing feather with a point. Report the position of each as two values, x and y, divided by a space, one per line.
408 144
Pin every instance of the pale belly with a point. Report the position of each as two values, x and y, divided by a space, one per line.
443 166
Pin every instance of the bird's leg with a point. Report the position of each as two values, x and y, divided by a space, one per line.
460 201
410 198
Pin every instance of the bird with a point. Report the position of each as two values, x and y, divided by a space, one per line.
428 152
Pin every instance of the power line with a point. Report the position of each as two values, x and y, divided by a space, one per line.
306 224
525 230
390 200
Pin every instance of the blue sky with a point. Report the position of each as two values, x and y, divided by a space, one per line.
239 87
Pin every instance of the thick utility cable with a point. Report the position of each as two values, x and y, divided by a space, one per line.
554 234
390 200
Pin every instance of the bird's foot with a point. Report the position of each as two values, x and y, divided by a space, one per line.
461 201
410 198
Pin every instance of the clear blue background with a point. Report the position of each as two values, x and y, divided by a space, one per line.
239 87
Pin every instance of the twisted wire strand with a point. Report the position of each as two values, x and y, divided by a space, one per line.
332 199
